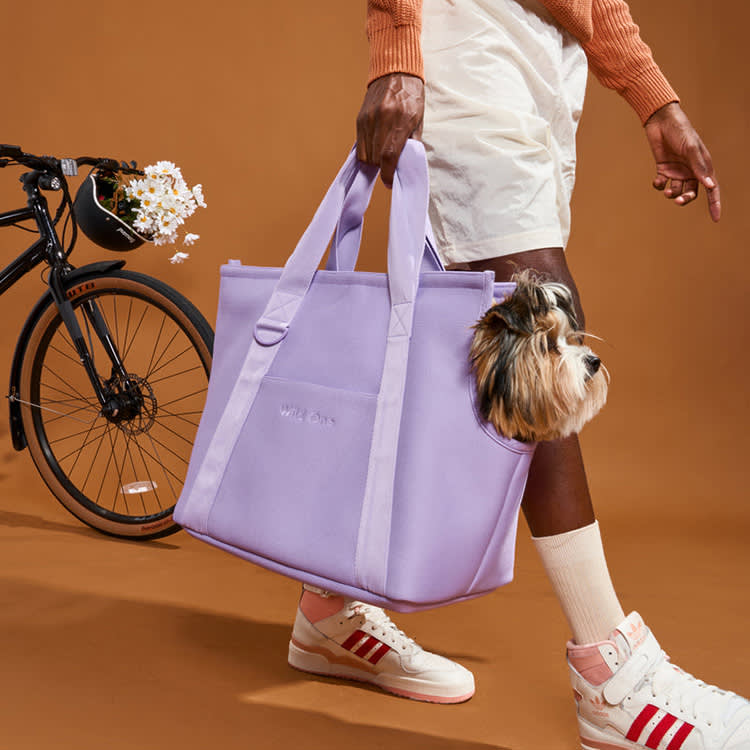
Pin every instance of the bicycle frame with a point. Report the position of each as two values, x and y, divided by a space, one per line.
29 259
48 248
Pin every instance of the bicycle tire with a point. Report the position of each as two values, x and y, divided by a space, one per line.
138 464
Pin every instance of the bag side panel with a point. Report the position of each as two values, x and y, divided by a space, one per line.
458 485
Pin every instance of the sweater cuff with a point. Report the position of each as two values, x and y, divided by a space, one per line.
648 92
395 50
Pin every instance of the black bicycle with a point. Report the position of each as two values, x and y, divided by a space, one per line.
110 370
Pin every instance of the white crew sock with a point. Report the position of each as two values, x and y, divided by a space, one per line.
576 567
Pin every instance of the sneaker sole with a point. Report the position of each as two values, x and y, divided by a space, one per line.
593 738
588 744
405 687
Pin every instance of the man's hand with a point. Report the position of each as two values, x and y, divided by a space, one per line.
682 161
391 113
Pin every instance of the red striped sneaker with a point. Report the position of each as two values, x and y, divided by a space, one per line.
340 637
629 696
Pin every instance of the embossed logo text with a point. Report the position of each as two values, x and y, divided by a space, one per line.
308 416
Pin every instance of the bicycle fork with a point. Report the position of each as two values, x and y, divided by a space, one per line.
92 313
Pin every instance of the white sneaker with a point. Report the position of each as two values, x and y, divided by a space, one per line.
629 696
340 637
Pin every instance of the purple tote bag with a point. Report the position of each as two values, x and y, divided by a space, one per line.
340 442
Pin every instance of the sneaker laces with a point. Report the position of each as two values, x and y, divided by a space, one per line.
380 620
694 697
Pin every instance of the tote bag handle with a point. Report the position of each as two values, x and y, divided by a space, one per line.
348 236
354 185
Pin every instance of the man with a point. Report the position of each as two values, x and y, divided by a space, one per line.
505 81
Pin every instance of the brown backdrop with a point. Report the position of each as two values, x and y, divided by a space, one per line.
107 643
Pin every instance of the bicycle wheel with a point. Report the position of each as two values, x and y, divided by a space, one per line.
121 473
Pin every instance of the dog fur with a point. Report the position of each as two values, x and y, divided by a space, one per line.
536 379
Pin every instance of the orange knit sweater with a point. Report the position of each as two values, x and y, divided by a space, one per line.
617 55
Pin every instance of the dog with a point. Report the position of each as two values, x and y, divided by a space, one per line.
536 379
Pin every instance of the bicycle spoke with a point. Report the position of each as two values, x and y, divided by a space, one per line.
115 330
85 444
124 355
183 414
63 401
127 322
65 382
125 457
173 375
66 355
135 476
72 435
96 455
173 432
157 460
167 448
182 398
65 336
178 415
106 468
70 415
81 449
161 356
148 472
164 468
71 400
113 454
156 344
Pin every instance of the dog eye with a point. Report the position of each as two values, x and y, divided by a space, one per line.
575 339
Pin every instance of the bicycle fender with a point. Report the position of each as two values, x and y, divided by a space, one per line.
77 274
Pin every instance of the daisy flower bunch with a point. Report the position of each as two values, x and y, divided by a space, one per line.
159 202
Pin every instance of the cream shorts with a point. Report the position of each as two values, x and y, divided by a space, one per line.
504 92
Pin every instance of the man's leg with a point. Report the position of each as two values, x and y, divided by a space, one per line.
330 631
556 503
628 695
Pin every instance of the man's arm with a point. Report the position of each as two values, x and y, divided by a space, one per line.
393 106
391 113
682 160
394 30
622 61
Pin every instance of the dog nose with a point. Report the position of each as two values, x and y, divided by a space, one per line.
593 363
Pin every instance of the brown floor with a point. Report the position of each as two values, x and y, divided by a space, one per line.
172 644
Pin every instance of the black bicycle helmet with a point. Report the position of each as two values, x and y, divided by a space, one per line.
97 223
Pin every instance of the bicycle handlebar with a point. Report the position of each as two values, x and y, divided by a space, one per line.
14 154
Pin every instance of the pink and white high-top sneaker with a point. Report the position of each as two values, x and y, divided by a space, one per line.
629 696
340 637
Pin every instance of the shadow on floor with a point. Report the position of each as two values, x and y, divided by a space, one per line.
107 672
12 519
